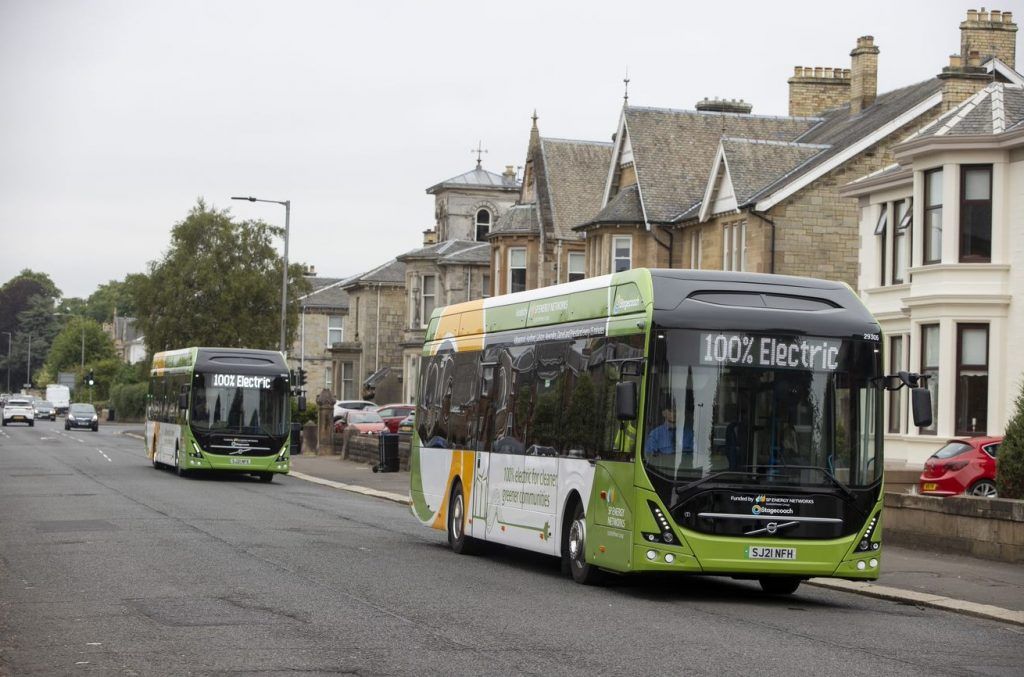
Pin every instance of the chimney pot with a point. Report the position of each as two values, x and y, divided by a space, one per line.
1007 17
817 71
955 61
828 72
974 59
972 15
983 15
997 16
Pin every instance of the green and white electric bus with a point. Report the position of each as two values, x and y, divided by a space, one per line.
660 420
219 409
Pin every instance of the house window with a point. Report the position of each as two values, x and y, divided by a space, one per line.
335 330
485 284
734 246
933 216
901 240
497 272
930 368
895 396
328 374
976 214
348 386
695 249
577 266
483 224
880 227
428 298
622 253
516 269
971 379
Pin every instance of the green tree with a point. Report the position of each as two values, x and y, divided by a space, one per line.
26 311
114 296
219 284
66 352
1010 473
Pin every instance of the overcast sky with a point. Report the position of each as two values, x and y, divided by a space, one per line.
117 115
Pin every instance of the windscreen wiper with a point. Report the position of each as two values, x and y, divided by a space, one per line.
824 471
713 476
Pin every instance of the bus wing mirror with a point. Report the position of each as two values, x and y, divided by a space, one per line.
625 401
921 404
183 398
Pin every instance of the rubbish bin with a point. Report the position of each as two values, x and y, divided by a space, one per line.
110 414
295 441
388 453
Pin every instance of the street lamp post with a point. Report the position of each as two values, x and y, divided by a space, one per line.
284 269
10 340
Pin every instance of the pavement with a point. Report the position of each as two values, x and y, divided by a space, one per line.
965 585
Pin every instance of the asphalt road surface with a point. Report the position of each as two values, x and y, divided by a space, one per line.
109 566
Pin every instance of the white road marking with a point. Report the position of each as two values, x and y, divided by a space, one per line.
104 455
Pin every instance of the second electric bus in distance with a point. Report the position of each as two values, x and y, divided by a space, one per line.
224 409
660 421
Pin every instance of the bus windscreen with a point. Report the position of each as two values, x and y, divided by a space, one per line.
240 404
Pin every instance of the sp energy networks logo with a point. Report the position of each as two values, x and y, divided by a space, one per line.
765 505
759 504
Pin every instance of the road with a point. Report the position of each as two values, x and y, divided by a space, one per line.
109 566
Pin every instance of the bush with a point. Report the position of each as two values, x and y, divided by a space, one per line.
1010 476
129 401
308 415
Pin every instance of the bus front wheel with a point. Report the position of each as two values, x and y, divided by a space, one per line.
574 550
458 540
178 468
265 476
779 585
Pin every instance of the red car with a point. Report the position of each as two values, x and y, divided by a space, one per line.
394 413
962 466
364 422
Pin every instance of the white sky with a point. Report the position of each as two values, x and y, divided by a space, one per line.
117 115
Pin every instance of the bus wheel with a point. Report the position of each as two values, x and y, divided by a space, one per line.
182 472
265 476
574 550
458 540
779 585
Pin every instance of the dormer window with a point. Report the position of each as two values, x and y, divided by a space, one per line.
483 224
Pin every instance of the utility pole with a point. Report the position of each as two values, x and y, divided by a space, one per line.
10 340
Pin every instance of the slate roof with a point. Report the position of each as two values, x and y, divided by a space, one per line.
392 273
576 172
326 292
673 150
520 218
840 130
478 178
754 164
450 252
995 109
623 208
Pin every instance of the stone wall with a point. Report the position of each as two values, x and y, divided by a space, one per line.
366 449
980 527
814 90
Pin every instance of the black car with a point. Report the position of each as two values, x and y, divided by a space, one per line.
82 416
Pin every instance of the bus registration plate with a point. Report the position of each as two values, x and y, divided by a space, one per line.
765 552
241 461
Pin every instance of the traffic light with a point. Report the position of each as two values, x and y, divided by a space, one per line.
90 380
302 377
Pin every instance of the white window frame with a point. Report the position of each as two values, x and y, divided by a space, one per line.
734 246
347 378
696 249
424 315
511 251
628 239
329 377
477 223
339 329
581 259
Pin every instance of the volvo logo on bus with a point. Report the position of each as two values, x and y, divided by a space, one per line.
771 528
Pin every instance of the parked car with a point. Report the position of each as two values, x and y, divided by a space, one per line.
962 466
44 409
19 410
82 415
394 413
351 405
408 424
365 422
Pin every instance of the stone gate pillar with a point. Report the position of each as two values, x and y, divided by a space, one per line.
325 422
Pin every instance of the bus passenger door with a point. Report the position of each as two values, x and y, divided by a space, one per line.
539 497
479 502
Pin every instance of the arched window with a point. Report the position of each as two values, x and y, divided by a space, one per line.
483 224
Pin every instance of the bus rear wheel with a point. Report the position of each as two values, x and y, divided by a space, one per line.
459 542
574 550
779 585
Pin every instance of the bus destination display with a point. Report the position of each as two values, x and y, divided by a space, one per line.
768 352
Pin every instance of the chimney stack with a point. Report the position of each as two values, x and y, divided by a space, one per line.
815 90
864 74
429 237
717 105
991 34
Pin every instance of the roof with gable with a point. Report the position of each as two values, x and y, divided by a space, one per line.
673 150
624 208
477 253
326 292
754 163
996 109
520 218
575 172
477 179
390 273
